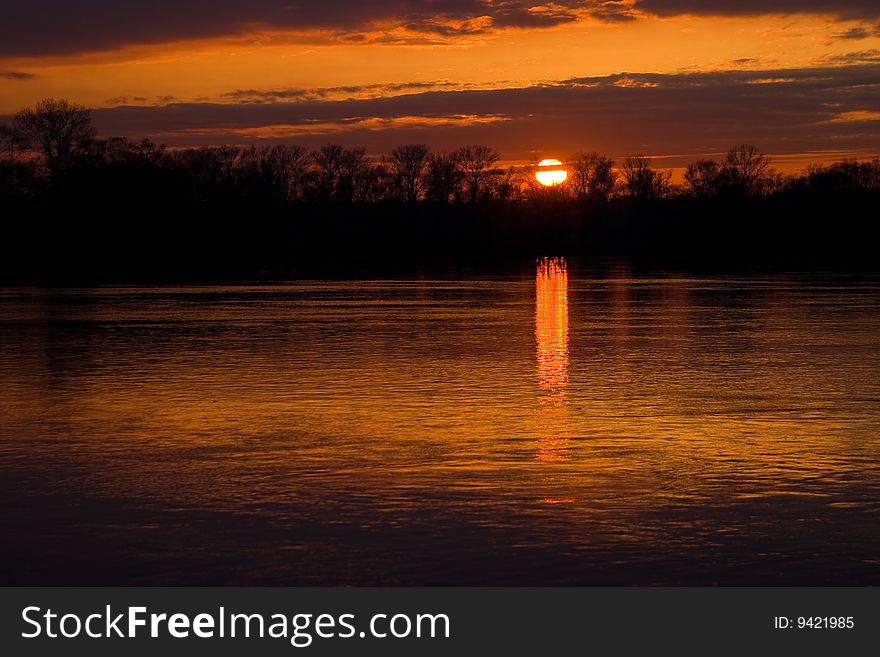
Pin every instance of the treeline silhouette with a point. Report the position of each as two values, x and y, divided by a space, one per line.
75 205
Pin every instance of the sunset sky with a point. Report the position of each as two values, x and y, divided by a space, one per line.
675 79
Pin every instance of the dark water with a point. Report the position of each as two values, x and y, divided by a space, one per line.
552 427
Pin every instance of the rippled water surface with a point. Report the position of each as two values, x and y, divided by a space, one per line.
550 427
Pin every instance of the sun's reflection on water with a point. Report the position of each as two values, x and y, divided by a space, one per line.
551 356
648 428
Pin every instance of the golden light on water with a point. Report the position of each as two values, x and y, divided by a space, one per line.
551 356
551 172
584 413
551 324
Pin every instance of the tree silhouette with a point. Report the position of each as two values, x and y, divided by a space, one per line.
643 183
475 164
12 145
509 184
370 182
745 169
328 162
14 172
343 174
408 166
442 178
57 132
280 170
260 199
356 182
213 171
703 178
591 177
843 177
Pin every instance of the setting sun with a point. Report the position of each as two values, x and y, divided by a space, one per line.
551 172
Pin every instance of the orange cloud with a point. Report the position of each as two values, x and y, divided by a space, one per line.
315 128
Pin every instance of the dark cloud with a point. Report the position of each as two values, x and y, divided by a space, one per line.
860 32
850 9
16 75
779 110
45 27
125 100
40 27
317 93
857 57
613 12
855 33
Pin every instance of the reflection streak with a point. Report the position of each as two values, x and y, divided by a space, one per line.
551 355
